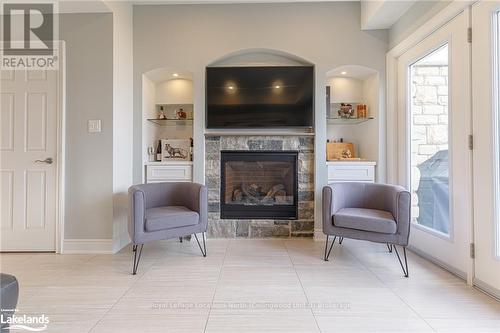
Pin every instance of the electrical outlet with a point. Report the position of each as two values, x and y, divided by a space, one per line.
94 126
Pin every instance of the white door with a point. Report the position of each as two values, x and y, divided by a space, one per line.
434 122
486 122
28 144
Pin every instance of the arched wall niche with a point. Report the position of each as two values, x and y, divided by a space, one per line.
260 57
357 84
172 88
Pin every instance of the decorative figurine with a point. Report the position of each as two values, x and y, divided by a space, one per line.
346 111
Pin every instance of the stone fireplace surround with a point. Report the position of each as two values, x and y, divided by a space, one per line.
244 228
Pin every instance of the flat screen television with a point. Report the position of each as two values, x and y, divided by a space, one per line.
253 97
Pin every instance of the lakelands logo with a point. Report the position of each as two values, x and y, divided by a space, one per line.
32 323
29 32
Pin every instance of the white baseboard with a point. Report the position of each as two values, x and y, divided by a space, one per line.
319 235
486 288
459 273
87 246
120 242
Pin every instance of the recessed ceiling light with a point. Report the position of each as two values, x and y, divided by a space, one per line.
343 73
230 87
277 86
175 75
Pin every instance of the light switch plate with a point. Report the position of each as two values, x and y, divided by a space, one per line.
94 126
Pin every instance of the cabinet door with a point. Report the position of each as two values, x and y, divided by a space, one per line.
168 173
351 173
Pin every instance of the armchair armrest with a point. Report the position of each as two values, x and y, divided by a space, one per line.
195 197
402 211
137 211
333 200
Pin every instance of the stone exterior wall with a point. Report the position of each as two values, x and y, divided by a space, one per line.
228 228
429 117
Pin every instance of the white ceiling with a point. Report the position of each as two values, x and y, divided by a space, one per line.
375 14
82 6
178 2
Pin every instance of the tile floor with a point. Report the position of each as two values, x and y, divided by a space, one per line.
248 286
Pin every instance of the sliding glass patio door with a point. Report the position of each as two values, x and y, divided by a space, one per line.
433 128
486 124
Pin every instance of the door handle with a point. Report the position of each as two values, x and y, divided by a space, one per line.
48 160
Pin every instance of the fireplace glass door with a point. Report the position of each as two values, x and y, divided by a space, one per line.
259 185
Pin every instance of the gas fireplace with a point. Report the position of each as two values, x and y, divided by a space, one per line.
258 185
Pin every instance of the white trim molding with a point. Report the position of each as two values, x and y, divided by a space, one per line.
88 246
61 149
486 288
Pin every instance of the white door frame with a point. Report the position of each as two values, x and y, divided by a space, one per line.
61 147
395 150
60 164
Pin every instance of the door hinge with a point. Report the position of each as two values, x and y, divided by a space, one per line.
471 142
472 251
469 35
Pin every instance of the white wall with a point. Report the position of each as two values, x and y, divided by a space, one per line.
89 95
150 131
176 91
194 36
346 90
122 118
371 131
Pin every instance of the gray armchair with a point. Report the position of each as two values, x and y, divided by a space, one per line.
366 211
8 299
166 210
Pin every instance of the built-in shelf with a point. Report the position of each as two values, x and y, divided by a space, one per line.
347 121
250 132
169 163
171 122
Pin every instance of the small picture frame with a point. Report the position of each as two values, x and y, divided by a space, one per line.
175 150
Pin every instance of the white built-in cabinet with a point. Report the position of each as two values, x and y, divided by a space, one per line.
351 171
158 172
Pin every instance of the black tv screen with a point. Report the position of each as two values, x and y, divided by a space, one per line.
252 97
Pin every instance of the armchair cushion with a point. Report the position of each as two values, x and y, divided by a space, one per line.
169 217
364 219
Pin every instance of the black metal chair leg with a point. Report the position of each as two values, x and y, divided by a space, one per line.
405 271
204 250
137 258
327 254
389 247
341 239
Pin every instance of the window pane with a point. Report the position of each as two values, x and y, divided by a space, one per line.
429 140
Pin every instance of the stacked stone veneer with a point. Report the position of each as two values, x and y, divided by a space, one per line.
429 117
229 228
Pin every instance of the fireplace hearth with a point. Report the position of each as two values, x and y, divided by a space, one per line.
259 185
259 227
